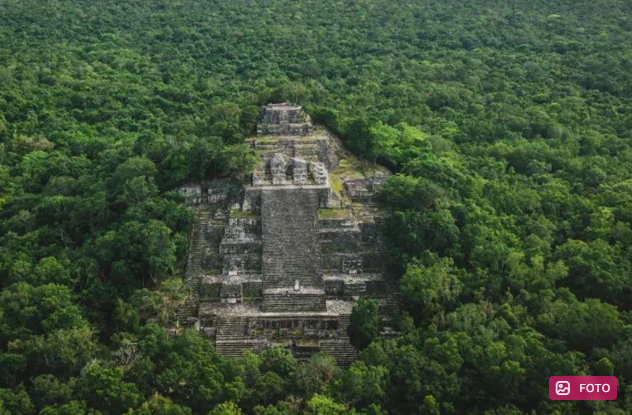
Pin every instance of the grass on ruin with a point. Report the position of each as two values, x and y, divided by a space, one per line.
349 169
308 342
355 169
266 139
333 214
240 214
336 185
274 139
363 213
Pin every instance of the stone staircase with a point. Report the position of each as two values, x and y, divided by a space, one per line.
393 301
188 309
343 321
233 328
344 239
293 301
197 246
290 245
231 339
390 304
236 348
341 350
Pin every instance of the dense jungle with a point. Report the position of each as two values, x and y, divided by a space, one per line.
507 126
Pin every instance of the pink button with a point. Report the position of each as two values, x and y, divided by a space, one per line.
583 388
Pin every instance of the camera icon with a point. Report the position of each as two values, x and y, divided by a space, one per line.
562 388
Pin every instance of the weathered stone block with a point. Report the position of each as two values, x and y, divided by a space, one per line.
278 168
233 265
334 288
319 172
352 265
231 291
257 177
192 194
299 170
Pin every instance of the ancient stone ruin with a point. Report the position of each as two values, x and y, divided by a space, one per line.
279 261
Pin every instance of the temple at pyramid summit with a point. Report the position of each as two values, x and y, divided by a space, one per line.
280 260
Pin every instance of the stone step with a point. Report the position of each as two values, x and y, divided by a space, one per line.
188 309
231 328
341 350
290 247
197 247
294 302
236 348
347 230
343 322
394 300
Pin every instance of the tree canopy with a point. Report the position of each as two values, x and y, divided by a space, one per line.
507 125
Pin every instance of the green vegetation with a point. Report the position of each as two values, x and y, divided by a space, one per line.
508 124
364 323
242 214
333 214
356 169
337 186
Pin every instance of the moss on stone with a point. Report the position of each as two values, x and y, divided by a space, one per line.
354 169
336 185
333 214
308 342
349 169
266 139
240 214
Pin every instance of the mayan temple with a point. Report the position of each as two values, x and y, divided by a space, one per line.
279 261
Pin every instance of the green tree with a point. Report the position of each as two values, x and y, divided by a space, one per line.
16 402
361 137
363 385
104 389
280 361
226 408
159 405
322 405
316 375
583 324
431 289
364 323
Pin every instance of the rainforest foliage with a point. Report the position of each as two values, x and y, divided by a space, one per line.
507 122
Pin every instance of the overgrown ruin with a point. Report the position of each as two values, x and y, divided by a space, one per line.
280 261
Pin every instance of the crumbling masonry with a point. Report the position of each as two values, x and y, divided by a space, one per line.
281 260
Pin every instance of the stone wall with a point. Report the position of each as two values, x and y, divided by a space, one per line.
282 114
280 327
252 201
286 129
282 119
311 149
